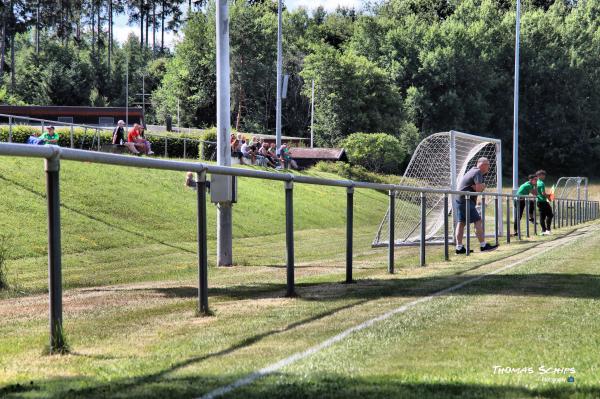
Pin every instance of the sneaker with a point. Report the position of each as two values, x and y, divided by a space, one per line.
463 250
150 152
489 247
546 233
531 220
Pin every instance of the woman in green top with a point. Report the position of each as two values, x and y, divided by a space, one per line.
546 214
50 137
527 188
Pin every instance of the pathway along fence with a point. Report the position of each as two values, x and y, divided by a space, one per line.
97 136
569 212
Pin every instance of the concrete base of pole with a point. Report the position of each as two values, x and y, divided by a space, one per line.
224 234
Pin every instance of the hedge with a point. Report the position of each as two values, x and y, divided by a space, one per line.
83 139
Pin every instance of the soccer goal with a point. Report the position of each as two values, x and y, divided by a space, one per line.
440 161
572 188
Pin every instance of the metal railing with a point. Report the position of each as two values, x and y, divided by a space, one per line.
96 133
570 212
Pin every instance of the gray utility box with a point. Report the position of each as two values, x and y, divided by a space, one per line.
223 189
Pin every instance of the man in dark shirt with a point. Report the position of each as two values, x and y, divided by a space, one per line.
472 181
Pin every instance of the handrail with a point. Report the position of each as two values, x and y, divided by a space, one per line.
184 166
570 212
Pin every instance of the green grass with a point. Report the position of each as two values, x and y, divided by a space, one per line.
130 299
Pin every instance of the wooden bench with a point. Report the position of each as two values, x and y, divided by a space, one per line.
114 149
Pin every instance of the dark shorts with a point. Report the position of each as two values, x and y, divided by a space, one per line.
461 211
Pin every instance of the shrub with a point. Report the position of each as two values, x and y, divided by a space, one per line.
377 152
86 139
355 172
208 151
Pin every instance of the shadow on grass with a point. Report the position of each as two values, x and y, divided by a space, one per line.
535 284
117 387
288 386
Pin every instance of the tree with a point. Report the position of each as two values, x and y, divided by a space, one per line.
354 95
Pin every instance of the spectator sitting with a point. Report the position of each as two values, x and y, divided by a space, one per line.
248 153
286 158
50 137
148 145
135 143
264 152
235 147
118 137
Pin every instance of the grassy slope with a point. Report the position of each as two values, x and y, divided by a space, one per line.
144 220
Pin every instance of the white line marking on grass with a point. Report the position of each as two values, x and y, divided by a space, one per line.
249 379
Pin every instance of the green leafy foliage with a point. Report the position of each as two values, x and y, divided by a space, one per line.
377 152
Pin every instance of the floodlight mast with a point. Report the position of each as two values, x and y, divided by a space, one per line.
516 102
279 75
224 210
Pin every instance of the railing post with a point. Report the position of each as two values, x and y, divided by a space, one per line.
554 213
289 237
184 148
557 214
71 137
517 221
446 251
496 221
562 214
508 220
423 229
166 149
535 221
573 213
391 221
349 232
42 127
52 167
527 206
483 205
10 129
202 246
468 225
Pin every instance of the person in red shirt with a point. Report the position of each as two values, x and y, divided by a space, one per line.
136 143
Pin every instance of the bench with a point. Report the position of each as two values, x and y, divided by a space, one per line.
114 149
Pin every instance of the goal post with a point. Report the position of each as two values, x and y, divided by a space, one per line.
572 188
440 161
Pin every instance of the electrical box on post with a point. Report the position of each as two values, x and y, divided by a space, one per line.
223 189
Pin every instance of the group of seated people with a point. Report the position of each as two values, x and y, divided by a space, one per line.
135 142
258 152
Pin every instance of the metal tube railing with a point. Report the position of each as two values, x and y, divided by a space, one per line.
97 137
54 154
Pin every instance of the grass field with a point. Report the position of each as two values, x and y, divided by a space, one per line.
130 299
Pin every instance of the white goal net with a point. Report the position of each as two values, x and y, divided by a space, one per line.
439 162
572 188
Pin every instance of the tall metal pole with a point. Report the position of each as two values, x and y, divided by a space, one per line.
224 211
312 116
279 76
144 100
127 95
516 103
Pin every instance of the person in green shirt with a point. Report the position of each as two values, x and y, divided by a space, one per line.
527 188
546 214
50 137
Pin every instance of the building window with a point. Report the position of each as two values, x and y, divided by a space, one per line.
106 121
65 119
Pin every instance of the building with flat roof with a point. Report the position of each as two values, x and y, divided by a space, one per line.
94 116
